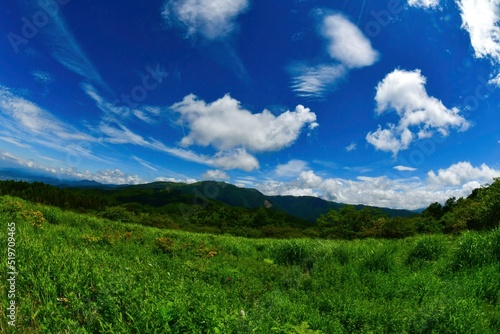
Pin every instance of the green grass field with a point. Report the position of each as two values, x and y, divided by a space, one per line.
81 274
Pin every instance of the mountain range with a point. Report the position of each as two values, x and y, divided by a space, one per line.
305 207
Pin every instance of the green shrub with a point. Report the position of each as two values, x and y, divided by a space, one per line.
473 250
378 259
427 248
166 245
294 252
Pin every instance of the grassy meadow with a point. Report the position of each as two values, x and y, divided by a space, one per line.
82 274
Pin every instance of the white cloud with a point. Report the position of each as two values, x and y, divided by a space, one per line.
29 125
109 176
144 163
461 173
29 117
347 44
351 147
215 174
224 124
145 113
316 81
117 133
67 51
432 4
15 142
481 19
291 169
234 159
404 168
213 19
404 92
411 193
176 180
42 77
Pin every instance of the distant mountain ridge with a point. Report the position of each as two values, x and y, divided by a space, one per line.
305 207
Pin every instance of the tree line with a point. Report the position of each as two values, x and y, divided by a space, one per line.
175 210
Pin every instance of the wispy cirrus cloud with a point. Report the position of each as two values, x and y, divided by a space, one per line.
347 47
30 122
146 113
144 163
215 19
404 168
66 50
15 142
316 81
42 77
114 132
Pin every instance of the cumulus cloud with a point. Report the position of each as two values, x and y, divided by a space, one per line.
346 43
481 19
461 173
176 180
234 159
224 124
291 169
458 180
213 19
215 174
428 4
348 48
420 114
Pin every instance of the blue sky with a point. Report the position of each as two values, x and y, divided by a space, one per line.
388 103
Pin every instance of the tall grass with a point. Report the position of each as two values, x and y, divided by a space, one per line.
80 274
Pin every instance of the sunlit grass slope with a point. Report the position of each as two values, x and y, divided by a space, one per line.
80 274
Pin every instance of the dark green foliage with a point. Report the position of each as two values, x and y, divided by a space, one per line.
203 207
294 252
117 213
378 259
427 248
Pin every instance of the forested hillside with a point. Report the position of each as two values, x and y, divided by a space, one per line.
220 208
